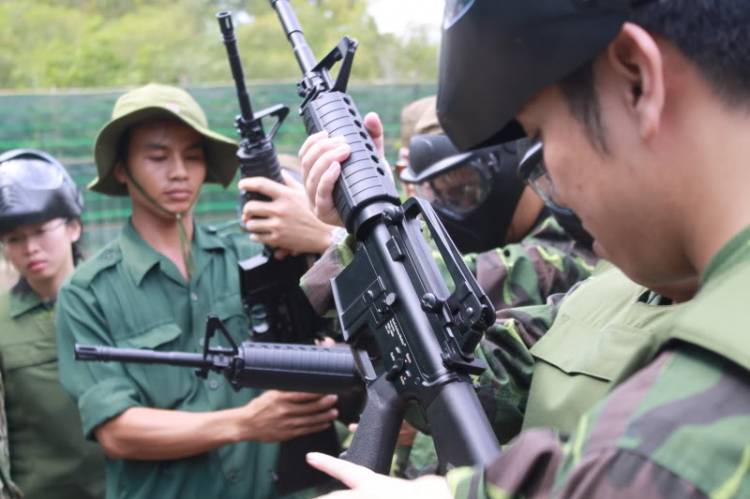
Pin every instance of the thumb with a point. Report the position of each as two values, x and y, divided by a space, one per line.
375 128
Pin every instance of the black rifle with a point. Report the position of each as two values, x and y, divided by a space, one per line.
278 366
276 306
413 339
273 301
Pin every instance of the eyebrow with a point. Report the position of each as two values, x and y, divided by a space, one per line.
161 147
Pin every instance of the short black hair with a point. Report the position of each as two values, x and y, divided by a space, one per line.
713 34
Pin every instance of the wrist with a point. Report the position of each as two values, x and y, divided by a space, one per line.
239 427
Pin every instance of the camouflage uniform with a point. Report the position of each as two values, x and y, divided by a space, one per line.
545 262
8 489
676 423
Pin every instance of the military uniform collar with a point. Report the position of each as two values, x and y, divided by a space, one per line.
21 303
734 250
140 257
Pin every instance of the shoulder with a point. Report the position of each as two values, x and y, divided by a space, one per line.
680 414
717 317
230 237
86 272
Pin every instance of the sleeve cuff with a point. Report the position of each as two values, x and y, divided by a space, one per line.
103 402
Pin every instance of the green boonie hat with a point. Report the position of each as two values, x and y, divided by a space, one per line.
411 115
159 101
428 123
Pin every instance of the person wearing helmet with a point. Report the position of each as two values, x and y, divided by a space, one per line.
629 100
40 224
411 115
167 433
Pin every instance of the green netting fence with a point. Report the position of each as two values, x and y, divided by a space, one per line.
65 125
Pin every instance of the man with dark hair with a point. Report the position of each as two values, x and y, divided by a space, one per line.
648 148
165 432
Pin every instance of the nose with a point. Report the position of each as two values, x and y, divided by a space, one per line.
31 244
178 171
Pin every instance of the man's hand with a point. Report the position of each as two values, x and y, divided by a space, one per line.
280 416
284 223
366 484
321 158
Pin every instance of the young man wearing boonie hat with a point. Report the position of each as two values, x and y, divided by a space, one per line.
166 432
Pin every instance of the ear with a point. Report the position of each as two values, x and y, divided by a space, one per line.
75 229
635 56
120 174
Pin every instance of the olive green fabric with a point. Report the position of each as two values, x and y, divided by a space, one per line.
675 423
8 489
595 333
155 101
549 364
129 295
49 456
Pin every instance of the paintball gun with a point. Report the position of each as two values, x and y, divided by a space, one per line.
279 366
413 337
273 301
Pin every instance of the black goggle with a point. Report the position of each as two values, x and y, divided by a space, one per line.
533 171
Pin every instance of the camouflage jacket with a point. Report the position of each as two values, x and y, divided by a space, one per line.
546 262
676 424
8 489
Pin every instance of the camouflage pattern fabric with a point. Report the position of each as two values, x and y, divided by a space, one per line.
677 423
504 386
8 489
546 262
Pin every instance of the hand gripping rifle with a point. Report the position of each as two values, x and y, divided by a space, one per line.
412 337
278 366
273 301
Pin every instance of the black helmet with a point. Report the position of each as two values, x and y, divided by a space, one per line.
35 188
475 194
497 54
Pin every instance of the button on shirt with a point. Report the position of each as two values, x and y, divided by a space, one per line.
131 296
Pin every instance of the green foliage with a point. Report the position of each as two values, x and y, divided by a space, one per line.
87 43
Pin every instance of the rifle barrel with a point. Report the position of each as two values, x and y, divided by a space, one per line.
230 42
138 356
294 34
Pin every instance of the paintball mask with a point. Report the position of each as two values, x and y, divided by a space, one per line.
475 194
496 55
35 188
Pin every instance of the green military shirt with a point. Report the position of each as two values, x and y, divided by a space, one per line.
595 332
49 456
676 423
8 489
549 364
129 295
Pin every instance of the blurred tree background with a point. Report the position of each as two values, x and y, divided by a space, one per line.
63 64
56 44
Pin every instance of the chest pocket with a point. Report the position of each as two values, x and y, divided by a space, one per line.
229 309
29 354
161 386
575 347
